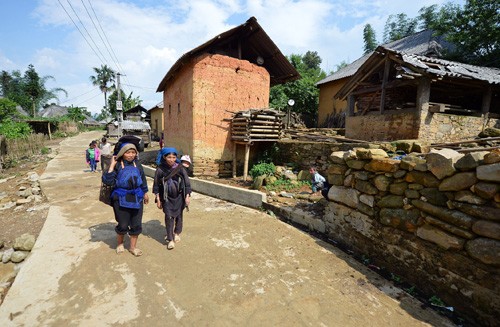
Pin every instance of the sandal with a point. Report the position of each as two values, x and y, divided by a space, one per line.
120 249
136 252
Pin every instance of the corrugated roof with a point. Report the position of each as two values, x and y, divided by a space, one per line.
137 125
421 43
453 69
247 41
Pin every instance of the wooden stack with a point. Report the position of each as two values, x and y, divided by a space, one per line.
257 125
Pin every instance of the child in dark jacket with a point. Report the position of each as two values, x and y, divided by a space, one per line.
128 196
172 190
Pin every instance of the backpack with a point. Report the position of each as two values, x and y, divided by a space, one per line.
173 184
128 187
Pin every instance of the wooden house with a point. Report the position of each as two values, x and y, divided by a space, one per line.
421 43
395 95
201 91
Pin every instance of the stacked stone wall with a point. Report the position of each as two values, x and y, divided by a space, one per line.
433 219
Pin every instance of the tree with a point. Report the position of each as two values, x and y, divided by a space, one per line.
7 109
369 39
474 30
77 114
399 26
341 65
28 90
104 79
303 91
127 102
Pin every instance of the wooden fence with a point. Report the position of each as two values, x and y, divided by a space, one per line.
12 150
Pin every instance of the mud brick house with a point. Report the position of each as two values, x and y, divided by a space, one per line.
201 91
395 95
157 118
423 43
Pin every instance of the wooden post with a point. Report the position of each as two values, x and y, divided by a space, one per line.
350 105
234 159
50 134
423 95
247 156
384 83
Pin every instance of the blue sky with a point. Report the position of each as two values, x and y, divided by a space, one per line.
147 36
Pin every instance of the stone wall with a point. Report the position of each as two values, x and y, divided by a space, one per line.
432 219
388 126
441 127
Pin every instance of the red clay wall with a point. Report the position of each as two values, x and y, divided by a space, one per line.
207 91
222 85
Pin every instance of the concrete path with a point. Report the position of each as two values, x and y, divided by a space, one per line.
235 266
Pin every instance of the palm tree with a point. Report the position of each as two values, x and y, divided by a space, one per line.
104 76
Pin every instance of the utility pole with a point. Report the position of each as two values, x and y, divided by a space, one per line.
119 107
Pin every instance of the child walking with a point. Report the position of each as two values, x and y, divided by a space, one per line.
92 156
172 190
128 197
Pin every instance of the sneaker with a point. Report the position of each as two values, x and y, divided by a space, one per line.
171 245
177 238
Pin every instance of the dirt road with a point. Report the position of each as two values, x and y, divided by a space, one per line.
234 266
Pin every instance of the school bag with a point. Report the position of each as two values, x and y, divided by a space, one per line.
128 187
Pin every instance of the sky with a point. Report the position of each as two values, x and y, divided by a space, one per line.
142 39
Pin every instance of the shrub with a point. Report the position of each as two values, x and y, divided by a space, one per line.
262 169
15 130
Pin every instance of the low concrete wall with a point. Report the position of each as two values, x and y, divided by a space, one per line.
248 198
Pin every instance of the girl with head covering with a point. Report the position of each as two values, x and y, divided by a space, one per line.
129 195
172 190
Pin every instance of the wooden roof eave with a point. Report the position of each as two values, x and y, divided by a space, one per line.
372 64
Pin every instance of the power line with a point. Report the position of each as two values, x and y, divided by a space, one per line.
90 36
140 87
75 97
80 31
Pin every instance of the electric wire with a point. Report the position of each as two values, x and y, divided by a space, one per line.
90 36
88 43
76 97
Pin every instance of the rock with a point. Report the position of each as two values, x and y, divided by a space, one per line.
303 175
406 220
289 175
482 212
347 196
404 145
286 195
383 165
440 237
18 256
8 205
336 180
33 177
7 273
337 157
362 175
471 160
398 188
485 190
24 242
20 202
412 194
442 162
367 199
449 228
492 157
469 197
425 179
412 162
7 254
367 154
454 217
391 201
337 169
365 187
382 182
489 172
434 196
348 181
457 182
400 174
269 180
485 250
1 244
355 164
490 132
258 182
487 228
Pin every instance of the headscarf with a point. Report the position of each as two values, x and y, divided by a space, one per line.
124 148
163 152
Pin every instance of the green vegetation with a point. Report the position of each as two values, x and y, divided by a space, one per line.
286 185
262 168
14 130
436 301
